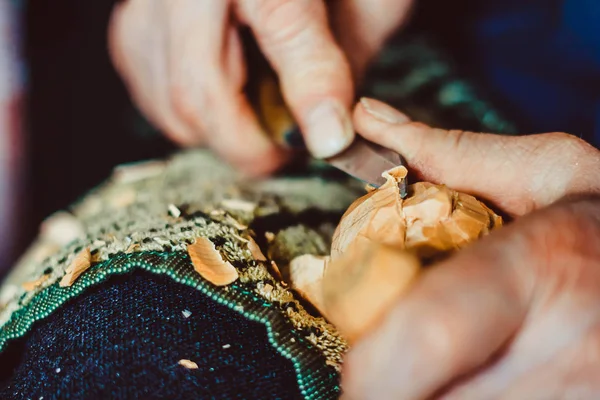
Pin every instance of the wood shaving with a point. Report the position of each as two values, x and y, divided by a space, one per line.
61 228
255 250
29 286
122 197
239 205
306 276
209 263
241 239
136 172
268 288
42 249
174 211
188 364
81 262
132 247
216 213
270 236
276 272
235 223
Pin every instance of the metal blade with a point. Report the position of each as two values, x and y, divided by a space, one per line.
366 161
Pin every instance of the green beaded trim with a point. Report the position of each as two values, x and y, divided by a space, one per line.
316 380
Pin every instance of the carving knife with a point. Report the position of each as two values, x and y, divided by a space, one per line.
363 160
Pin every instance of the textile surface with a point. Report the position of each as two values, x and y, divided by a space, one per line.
124 339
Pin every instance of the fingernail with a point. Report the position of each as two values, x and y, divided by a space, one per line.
328 129
383 112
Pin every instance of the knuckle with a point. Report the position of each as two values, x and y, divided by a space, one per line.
459 139
566 229
567 146
188 105
281 22
440 339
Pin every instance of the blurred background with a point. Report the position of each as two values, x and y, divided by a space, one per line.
78 122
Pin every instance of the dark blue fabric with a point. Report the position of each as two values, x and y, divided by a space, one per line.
123 340
542 57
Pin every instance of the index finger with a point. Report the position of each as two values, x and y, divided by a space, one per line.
315 76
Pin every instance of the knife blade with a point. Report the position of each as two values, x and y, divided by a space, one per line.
367 161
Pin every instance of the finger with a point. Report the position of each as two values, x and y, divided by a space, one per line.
463 312
454 319
137 51
207 73
518 174
362 26
314 74
570 373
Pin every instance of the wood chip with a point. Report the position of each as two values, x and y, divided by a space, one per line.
174 211
135 172
81 262
235 223
209 263
306 276
122 197
29 286
132 247
255 250
217 213
42 249
270 236
276 271
268 288
188 364
61 228
239 205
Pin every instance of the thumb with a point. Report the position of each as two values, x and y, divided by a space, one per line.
315 75
516 173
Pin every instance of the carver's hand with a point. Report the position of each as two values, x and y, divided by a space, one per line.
516 314
517 174
183 63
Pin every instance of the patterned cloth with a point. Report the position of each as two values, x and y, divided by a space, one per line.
125 337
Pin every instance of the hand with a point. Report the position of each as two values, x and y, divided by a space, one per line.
518 174
183 63
516 314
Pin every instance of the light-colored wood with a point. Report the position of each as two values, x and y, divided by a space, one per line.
81 262
380 245
209 263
